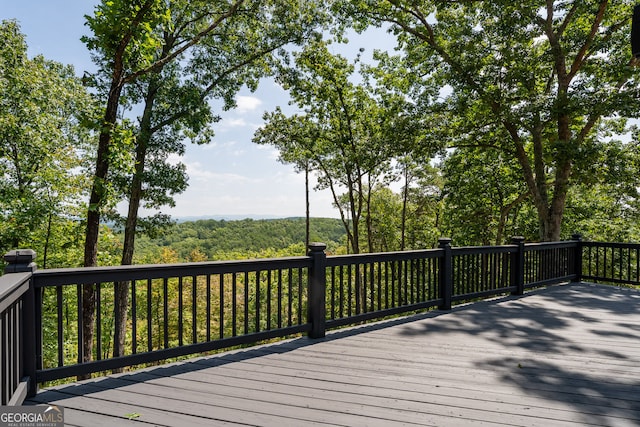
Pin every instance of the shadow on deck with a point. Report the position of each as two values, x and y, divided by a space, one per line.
567 355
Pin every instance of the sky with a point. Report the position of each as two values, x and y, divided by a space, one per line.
231 176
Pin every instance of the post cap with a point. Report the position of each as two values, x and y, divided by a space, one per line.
317 247
20 256
444 241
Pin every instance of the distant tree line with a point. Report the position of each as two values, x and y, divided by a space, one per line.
210 239
492 119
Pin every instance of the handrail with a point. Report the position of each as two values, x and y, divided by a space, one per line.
337 260
181 309
12 287
617 263
87 275
14 378
220 304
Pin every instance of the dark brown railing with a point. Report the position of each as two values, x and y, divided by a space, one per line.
183 309
617 263
174 310
17 327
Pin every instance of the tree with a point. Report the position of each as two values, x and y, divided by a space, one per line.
129 46
412 146
176 97
338 135
42 144
537 82
422 203
484 196
606 206
230 45
383 220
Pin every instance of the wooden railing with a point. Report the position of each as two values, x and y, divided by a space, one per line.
17 327
617 263
174 310
183 309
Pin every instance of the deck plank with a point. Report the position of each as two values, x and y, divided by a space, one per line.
562 356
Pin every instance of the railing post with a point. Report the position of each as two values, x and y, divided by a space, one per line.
23 261
517 265
446 274
317 289
20 261
578 257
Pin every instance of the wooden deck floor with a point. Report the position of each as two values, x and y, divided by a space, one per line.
563 356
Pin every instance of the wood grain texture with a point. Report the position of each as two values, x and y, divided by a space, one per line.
563 356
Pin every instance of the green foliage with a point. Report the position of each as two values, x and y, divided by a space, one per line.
173 58
484 198
402 221
42 147
384 221
539 84
227 240
342 134
607 206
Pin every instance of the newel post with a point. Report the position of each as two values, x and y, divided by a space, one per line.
517 266
317 290
23 261
578 257
445 274
20 261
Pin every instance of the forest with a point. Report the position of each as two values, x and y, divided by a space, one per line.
215 240
490 119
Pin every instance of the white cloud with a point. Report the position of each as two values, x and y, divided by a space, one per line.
219 145
234 123
271 152
197 172
247 103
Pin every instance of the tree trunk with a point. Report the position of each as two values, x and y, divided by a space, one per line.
552 227
47 239
96 200
135 196
355 223
553 220
405 203
307 209
369 220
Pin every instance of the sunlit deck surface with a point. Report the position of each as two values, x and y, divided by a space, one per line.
563 356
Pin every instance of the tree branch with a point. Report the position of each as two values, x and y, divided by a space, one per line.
582 53
162 62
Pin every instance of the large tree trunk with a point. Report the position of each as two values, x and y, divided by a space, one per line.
135 196
551 227
96 201
553 220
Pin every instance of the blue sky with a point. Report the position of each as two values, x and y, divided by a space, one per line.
229 176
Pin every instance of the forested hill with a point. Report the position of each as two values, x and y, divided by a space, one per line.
219 239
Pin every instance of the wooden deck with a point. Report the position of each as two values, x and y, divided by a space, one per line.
563 356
